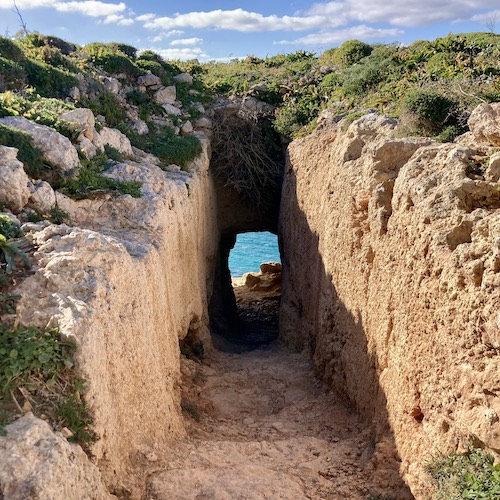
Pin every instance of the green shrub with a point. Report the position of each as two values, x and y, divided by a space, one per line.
163 143
12 248
351 52
111 59
10 50
91 181
9 228
30 155
74 414
106 104
128 50
12 75
27 353
146 104
471 475
48 81
430 109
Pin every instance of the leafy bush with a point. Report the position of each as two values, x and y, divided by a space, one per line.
27 353
351 52
163 143
128 50
47 80
111 59
430 109
9 228
12 248
471 475
106 104
10 50
90 181
30 155
146 104
12 75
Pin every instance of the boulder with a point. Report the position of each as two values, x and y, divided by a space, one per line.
148 79
116 139
187 128
166 95
184 78
140 126
57 149
492 173
14 190
79 118
199 107
39 463
172 110
86 147
484 123
112 84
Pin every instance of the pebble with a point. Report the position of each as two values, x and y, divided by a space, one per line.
248 421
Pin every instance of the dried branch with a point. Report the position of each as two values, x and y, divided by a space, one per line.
241 158
22 22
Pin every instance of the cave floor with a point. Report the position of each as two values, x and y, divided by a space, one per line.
261 426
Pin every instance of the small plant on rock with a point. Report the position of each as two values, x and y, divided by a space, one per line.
12 248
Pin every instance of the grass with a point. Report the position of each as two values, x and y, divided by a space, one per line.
36 370
90 181
30 155
471 475
163 143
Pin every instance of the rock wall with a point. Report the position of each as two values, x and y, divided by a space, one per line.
391 280
126 282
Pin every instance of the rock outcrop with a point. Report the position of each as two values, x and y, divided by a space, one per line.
111 284
14 183
391 281
38 463
57 149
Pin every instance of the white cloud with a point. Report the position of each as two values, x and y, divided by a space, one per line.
118 19
91 8
488 17
183 54
325 16
166 34
187 41
236 20
25 4
362 32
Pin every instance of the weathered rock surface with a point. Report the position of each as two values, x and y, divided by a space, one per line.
111 283
484 123
184 78
56 148
398 303
148 80
116 139
40 464
14 183
80 118
166 95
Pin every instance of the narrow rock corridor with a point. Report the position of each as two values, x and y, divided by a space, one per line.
268 429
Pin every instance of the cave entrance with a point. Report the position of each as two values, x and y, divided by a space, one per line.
245 316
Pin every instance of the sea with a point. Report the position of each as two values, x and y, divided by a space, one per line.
250 250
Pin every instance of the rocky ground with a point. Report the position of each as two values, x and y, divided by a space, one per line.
262 426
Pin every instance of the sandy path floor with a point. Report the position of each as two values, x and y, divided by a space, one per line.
268 429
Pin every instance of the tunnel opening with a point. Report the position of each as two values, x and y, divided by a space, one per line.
247 164
245 310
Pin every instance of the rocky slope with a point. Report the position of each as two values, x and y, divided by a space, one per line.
391 260
114 282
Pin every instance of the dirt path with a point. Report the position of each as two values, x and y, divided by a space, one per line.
269 430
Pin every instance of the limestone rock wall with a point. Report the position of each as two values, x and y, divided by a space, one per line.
126 282
391 279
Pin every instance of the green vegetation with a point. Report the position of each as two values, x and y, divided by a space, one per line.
36 367
12 248
30 155
163 143
471 475
90 181
458 72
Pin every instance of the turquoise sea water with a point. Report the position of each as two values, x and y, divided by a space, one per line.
251 250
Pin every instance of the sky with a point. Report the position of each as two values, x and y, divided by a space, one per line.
208 30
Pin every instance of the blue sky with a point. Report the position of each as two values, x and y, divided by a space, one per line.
209 30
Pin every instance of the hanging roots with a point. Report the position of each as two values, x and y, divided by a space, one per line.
243 158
